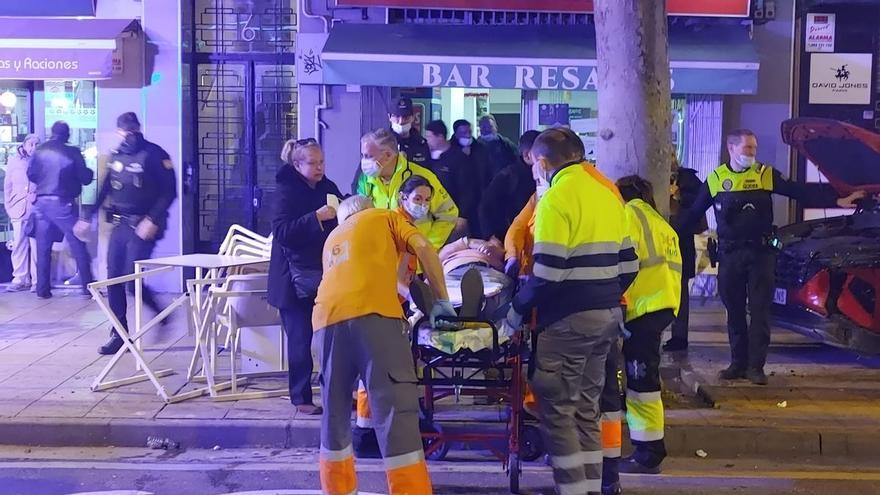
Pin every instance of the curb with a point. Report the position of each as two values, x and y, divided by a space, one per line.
734 440
683 439
190 433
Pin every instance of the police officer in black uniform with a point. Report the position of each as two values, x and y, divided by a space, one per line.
741 192
140 186
409 141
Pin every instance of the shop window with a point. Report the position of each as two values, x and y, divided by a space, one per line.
15 119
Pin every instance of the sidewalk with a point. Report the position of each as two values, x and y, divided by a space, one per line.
48 360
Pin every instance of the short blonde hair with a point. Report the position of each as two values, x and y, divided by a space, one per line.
352 205
294 149
382 137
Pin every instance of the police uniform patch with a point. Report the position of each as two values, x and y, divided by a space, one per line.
727 185
168 164
116 165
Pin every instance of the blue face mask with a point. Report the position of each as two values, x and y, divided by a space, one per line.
417 211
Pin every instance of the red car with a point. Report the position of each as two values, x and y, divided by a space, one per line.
828 270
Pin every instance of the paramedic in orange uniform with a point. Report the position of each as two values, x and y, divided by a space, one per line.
361 332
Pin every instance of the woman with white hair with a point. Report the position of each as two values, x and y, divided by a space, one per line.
18 198
303 219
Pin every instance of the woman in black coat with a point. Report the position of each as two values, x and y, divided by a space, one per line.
301 223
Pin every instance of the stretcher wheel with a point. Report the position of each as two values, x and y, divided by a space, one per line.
514 470
531 445
442 449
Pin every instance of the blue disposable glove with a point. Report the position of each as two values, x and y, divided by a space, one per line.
441 308
511 268
624 332
514 319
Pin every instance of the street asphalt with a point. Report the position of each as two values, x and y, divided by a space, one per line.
128 471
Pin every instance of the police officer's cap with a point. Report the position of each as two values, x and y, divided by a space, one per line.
402 107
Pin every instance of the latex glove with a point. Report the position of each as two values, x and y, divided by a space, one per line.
624 332
146 229
514 319
511 268
81 230
441 307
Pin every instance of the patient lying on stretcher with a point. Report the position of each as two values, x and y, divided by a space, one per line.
458 257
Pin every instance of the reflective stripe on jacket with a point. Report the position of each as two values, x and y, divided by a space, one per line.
443 211
658 283
583 256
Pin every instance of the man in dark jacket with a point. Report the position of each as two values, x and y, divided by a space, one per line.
140 186
59 171
451 166
475 151
500 151
509 191
687 186
302 221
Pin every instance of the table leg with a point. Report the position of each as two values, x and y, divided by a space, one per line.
197 315
138 308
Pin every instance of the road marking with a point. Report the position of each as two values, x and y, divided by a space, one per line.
113 492
291 492
377 467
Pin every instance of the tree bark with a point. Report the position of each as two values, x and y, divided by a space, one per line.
634 92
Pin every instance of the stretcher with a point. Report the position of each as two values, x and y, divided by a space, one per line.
469 355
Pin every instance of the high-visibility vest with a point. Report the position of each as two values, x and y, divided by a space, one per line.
442 213
581 246
658 283
743 202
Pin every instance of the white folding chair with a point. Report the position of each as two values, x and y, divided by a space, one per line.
239 241
246 309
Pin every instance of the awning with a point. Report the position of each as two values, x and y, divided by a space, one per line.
36 48
716 59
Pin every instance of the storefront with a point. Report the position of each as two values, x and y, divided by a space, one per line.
49 70
529 69
837 54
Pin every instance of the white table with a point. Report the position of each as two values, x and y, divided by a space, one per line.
209 265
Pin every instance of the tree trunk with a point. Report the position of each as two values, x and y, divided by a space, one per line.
634 92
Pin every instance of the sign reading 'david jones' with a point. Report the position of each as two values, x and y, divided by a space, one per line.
840 78
35 63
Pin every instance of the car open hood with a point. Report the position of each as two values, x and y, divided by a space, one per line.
847 155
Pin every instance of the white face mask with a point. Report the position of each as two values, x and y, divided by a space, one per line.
489 137
416 210
541 189
401 128
465 141
744 162
436 154
370 167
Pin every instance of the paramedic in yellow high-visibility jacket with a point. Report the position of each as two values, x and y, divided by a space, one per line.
652 301
385 169
583 262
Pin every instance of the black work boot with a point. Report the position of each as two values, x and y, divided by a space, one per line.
732 372
612 489
630 465
757 376
112 346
